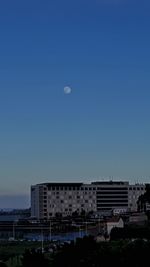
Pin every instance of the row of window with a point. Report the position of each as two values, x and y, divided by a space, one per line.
136 188
78 202
66 193
72 188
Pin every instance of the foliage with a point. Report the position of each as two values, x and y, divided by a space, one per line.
129 232
2 264
143 199
33 258
88 253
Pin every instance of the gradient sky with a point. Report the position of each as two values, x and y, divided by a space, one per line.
101 48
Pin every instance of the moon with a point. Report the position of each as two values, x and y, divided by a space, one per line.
67 90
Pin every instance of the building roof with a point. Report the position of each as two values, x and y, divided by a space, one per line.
62 184
114 220
110 183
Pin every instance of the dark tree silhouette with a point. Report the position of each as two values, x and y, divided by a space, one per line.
33 258
2 264
143 199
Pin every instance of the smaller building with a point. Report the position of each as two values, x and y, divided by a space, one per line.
114 222
134 192
138 218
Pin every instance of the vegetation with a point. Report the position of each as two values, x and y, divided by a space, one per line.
87 252
144 199
33 258
9 250
130 232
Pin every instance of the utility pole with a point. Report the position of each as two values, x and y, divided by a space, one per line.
79 231
86 228
42 241
14 230
99 225
50 231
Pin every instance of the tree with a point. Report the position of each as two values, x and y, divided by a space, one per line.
144 199
2 264
33 258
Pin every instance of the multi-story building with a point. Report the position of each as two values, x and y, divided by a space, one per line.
111 195
134 191
51 199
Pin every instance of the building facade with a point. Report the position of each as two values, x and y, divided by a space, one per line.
134 191
52 199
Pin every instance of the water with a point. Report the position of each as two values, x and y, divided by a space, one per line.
9 218
57 237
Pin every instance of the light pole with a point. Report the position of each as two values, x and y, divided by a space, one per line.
50 231
79 231
99 226
14 230
42 240
14 222
86 228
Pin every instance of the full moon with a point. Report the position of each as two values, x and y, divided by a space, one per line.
67 90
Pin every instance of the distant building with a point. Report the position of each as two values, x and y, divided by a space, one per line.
111 195
138 218
55 199
134 191
51 199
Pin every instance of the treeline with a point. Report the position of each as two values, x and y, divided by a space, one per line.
129 232
87 253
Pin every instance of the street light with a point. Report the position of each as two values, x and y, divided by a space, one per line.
14 230
42 240
86 228
14 222
50 231
99 226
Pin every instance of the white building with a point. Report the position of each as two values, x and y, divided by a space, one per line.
134 191
113 223
51 199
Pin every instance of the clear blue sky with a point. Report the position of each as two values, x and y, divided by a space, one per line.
101 48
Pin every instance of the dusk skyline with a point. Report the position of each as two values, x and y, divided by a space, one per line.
101 129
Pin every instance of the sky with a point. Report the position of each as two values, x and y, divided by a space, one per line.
101 49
